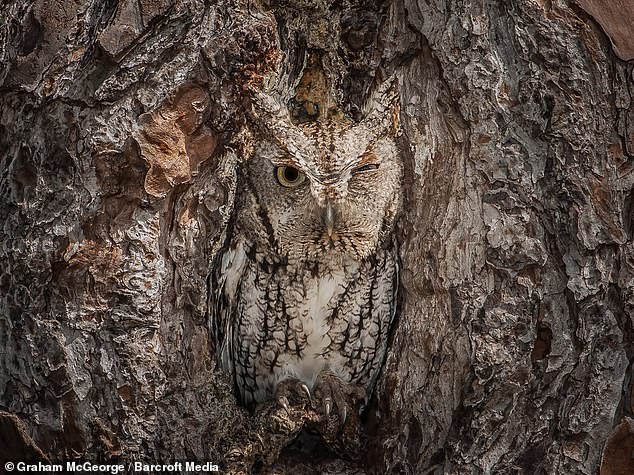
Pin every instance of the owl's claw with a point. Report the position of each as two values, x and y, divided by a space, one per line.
343 415
327 406
294 392
332 392
283 401
307 392
338 404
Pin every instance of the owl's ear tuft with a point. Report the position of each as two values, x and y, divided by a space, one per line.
264 107
384 106
266 100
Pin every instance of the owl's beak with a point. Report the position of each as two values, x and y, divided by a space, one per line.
328 216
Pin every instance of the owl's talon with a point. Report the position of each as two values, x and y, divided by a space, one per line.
295 393
327 406
283 401
336 396
343 415
307 391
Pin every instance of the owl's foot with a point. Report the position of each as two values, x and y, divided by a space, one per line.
293 392
271 429
338 403
274 425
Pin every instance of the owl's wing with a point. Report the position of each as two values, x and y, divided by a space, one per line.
224 281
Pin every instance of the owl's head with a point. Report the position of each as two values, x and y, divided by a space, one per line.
328 189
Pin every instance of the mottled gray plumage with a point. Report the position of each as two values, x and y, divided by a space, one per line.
307 280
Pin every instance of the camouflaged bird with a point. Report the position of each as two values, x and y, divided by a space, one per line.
303 294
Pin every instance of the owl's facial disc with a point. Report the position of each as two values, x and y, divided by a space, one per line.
328 195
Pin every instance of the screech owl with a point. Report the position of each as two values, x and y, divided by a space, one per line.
304 290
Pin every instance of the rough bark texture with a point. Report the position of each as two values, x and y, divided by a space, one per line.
120 127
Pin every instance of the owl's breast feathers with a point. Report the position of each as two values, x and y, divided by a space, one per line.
273 319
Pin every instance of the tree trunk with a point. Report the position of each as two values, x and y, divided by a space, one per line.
121 125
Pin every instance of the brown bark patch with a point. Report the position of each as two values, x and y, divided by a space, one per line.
94 265
174 141
15 442
618 453
616 18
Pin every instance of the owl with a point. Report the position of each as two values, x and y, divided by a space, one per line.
303 294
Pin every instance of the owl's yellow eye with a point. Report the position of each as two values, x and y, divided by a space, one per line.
289 177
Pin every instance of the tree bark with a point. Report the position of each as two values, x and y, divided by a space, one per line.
121 124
